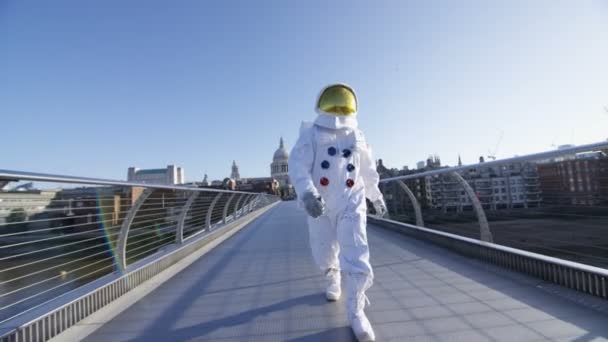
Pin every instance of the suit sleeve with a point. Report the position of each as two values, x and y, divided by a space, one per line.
369 174
301 161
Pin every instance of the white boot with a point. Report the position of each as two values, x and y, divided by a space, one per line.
362 328
333 290
356 286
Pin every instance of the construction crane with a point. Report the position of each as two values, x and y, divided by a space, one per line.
492 154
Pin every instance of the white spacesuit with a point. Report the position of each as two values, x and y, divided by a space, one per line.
333 172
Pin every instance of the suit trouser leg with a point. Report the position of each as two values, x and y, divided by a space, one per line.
324 242
354 256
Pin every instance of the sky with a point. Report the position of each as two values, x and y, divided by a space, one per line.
91 88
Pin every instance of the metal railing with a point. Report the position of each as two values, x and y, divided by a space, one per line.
583 278
56 240
553 203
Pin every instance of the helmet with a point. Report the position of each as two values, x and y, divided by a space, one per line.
338 99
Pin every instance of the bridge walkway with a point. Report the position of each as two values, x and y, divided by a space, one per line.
261 285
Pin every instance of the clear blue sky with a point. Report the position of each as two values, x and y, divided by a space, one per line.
91 87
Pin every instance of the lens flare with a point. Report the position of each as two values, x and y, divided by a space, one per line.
108 222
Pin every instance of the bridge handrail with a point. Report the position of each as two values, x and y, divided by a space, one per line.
519 159
12 175
458 188
573 275
510 250
78 237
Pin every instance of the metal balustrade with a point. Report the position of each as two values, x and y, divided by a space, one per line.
81 234
68 252
584 278
555 229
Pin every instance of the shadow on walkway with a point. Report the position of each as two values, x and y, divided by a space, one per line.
566 306
206 328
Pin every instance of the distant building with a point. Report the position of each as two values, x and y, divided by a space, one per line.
382 170
279 168
279 171
21 205
172 175
278 183
433 162
579 181
498 187
79 207
514 185
235 171
76 208
396 199
260 184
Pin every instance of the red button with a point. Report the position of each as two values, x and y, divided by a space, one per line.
350 183
324 181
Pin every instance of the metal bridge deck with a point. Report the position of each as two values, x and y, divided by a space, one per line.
262 285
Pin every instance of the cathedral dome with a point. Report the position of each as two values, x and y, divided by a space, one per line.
281 153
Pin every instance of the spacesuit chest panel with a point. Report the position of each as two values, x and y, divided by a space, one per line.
337 162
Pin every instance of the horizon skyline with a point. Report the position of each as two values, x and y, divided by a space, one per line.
557 147
91 89
210 180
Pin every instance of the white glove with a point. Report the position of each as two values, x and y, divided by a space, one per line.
315 206
380 207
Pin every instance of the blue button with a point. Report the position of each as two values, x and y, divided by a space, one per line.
332 151
350 167
346 153
325 164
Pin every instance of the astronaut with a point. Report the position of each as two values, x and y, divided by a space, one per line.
332 170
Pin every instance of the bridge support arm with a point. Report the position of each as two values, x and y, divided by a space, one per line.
121 245
225 213
414 201
238 202
179 234
484 227
210 211
249 205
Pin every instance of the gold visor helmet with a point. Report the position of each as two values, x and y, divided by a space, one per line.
338 99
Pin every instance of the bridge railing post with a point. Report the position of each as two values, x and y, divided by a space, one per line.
236 207
179 234
445 184
243 210
210 211
249 207
252 202
109 236
121 244
484 227
414 201
257 200
225 213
